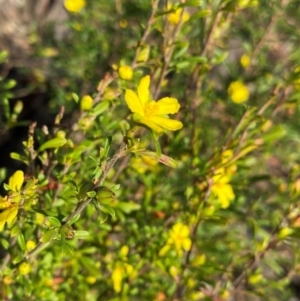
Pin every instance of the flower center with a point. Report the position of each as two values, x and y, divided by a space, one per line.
151 108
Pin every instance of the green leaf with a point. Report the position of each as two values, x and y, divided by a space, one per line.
4 243
102 217
17 259
183 47
66 249
44 212
3 56
128 207
54 221
198 15
98 172
53 143
15 230
6 187
107 146
182 64
75 97
21 241
101 107
116 187
218 59
9 84
74 219
48 236
191 3
27 285
274 134
91 194
72 182
81 234
5 107
16 156
89 264
108 209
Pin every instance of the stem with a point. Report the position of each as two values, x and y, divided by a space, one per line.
157 145
119 153
167 54
108 167
146 32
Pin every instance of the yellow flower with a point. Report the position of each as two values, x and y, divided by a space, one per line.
179 237
238 92
24 268
149 112
123 23
174 16
74 6
126 72
91 279
30 245
245 60
124 251
222 189
117 277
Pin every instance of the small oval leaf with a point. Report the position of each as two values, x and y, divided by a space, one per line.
81 234
21 241
48 236
54 221
53 143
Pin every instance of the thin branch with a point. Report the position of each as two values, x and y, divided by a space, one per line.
108 167
119 153
168 54
146 32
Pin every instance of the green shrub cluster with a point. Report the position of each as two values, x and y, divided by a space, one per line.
171 170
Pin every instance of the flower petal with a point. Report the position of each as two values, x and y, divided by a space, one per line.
168 105
224 193
133 102
143 90
186 244
16 180
117 277
166 123
8 216
149 123
184 231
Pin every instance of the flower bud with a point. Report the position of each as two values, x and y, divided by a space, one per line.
67 231
105 195
126 72
86 103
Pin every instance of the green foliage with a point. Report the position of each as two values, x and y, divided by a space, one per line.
118 201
